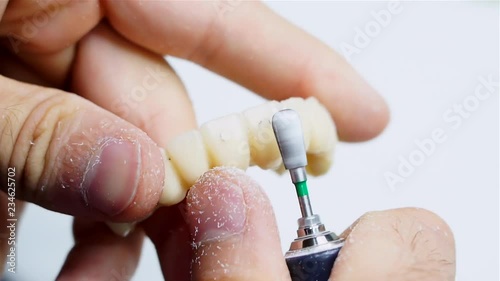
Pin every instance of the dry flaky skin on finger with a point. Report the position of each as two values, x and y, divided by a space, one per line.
242 140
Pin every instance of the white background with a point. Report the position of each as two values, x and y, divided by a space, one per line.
428 58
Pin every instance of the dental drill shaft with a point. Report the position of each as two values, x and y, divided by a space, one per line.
288 131
314 251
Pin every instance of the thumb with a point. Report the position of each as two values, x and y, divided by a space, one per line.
233 229
398 244
71 156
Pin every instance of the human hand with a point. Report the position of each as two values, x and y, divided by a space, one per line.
71 151
226 230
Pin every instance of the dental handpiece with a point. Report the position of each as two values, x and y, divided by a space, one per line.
312 254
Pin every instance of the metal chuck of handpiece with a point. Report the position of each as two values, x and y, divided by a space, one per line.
312 254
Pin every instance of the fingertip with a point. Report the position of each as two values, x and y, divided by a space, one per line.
149 185
124 175
216 206
233 229
359 111
434 221
414 242
368 121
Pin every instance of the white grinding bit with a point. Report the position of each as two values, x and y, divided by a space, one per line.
288 131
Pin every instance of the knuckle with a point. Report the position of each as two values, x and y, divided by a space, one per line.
32 151
9 128
429 219
428 245
418 244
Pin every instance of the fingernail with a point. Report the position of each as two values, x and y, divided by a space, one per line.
111 181
216 206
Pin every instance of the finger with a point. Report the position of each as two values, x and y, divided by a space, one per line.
246 42
415 245
133 83
74 157
59 64
43 33
233 229
44 27
99 254
14 68
170 235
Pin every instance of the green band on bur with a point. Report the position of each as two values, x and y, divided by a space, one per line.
301 188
